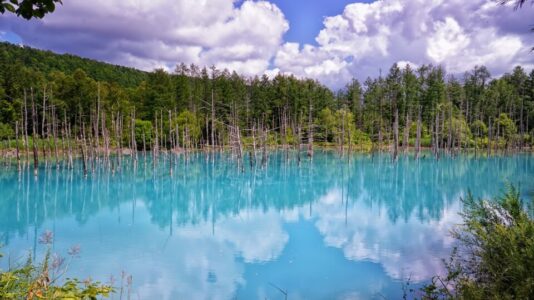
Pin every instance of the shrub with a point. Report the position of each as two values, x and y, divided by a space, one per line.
495 256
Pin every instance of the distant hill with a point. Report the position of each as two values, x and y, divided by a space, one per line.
47 61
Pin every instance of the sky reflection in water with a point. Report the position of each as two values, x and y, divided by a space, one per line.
325 230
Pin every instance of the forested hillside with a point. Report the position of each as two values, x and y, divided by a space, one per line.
49 96
47 61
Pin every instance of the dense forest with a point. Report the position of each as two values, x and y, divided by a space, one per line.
62 99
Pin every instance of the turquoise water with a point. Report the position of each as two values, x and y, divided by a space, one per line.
330 228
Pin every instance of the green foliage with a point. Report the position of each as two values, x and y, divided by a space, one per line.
143 133
362 140
29 8
326 122
187 123
13 58
479 128
473 108
6 132
495 258
40 281
508 126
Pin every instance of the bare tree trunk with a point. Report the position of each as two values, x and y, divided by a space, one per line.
34 139
105 135
43 120
436 135
310 131
97 120
82 149
441 144
521 124
299 142
63 133
342 142
171 143
350 142
162 136
252 153
449 140
120 127
406 138
284 134
134 142
68 144
489 136
418 137
380 137
25 128
396 135
239 147
54 134
212 120
156 139
17 144
264 148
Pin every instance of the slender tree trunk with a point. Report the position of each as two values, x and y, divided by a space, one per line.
342 142
43 120
34 138
310 131
17 144
299 142
264 148
82 149
396 135
449 140
406 139
522 128
54 134
418 137
212 120
253 154
26 143
97 121
489 136
172 142
436 139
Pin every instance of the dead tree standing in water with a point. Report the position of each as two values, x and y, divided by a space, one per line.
34 138
418 137
310 131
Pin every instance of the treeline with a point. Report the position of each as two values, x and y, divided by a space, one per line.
53 98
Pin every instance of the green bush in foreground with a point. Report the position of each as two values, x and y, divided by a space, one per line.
495 256
40 281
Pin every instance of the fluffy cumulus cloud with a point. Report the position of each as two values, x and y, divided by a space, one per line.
241 36
368 37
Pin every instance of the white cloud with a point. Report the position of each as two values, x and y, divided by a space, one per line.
449 39
367 37
364 233
242 36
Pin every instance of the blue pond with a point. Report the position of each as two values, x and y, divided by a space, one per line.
332 228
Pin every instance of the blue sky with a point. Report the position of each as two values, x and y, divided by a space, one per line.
331 41
306 16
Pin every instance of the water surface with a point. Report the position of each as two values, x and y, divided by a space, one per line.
329 228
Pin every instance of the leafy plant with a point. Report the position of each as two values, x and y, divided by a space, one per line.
40 280
29 8
495 256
